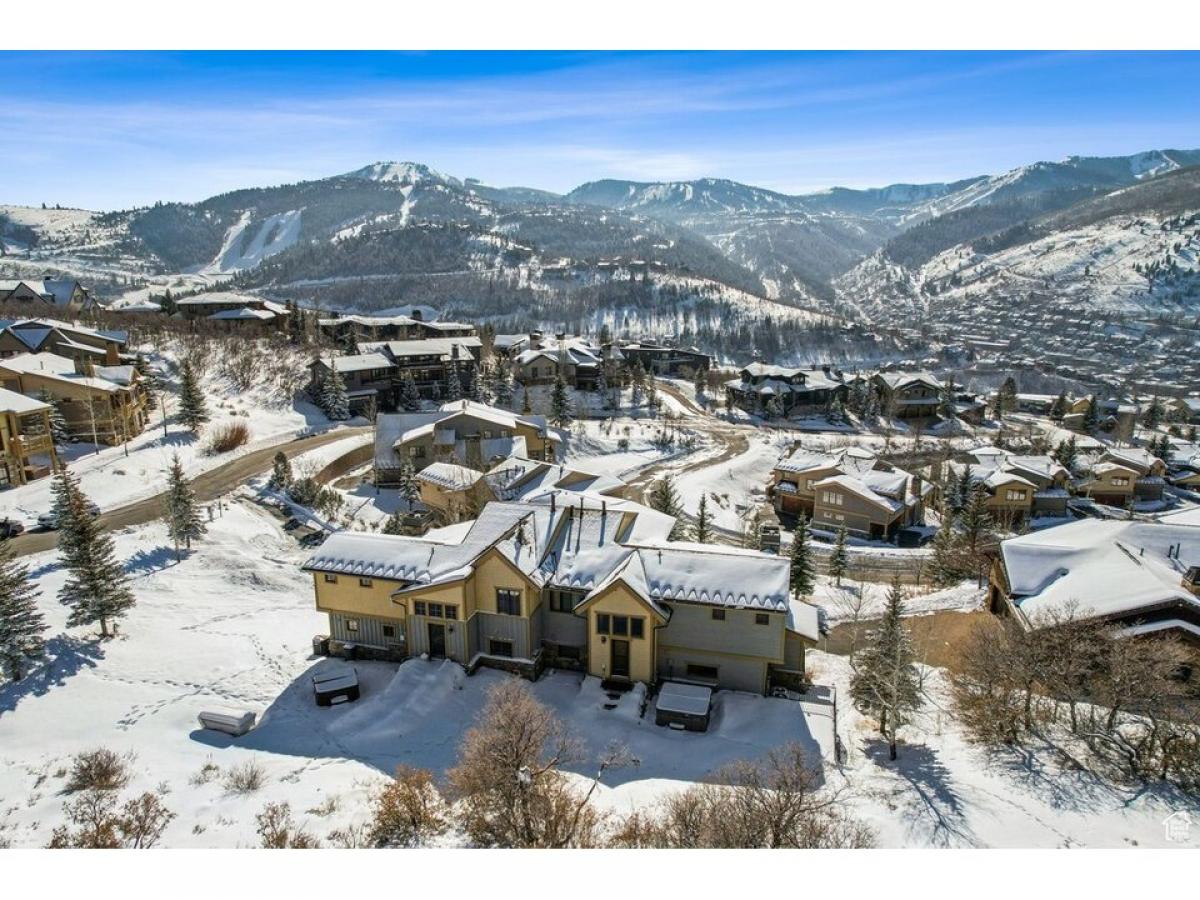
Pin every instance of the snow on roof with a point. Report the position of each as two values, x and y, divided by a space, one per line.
1105 567
851 460
448 476
712 575
897 380
439 347
11 401
861 489
245 313
358 362
804 619
1136 457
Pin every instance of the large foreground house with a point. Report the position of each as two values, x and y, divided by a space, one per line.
1142 577
851 488
779 390
463 433
581 582
26 446
45 297
102 404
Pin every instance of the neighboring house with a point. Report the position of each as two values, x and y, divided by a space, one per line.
454 492
1184 409
1126 473
375 375
1019 487
793 391
75 342
104 404
232 309
1142 577
664 359
521 478
31 298
908 395
26 447
592 585
577 361
419 324
468 434
370 380
850 488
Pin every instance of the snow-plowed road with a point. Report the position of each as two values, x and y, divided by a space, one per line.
208 486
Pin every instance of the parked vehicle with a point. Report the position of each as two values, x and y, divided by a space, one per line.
10 528
49 520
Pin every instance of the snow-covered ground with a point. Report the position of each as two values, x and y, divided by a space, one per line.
867 600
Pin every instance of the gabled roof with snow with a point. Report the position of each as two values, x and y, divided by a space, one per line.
11 401
59 368
1137 458
448 476
443 348
901 380
861 489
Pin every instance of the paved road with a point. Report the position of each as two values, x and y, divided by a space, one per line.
208 486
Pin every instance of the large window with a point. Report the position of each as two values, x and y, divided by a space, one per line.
508 601
563 601
831 498
1015 495
620 626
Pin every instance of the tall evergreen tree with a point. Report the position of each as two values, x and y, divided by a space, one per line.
407 486
335 402
60 432
394 524
885 683
946 566
453 389
410 395
1091 416
193 411
21 623
148 379
1058 408
560 402
665 498
802 577
839 560
97 588
1006 397
702 533
1153 416
180 510
504 386
281 472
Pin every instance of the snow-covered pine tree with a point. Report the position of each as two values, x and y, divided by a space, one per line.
1091 416
665 498
700 384
802 578
652 399
60 433
335 403
97 588
21 623
837 411
560 403
180 510
1058 408
885 683
1006 397
394 524
407 486
503 386
946 565
193 411
1153 416
839 560
149 381
410 395
281 472
453 389
702 533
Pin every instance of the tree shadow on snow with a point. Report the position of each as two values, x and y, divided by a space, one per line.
933 787
146 562
65 656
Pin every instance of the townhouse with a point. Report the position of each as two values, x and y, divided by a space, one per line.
465 433
1019 487
908 395
72 341
26 446
419 323
232 309
579 582
666 359
785 391
850 488
1121 476
103 404
42 297
576 360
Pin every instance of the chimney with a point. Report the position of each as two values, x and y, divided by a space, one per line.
535 340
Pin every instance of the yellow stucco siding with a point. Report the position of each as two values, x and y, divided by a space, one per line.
493 572
347 595
618 600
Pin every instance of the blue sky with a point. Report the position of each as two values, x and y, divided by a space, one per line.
113 130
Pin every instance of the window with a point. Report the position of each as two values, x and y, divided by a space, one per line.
1015 495
330 578
718 615
832 499
352 625
389 631
708 673
508 602
500 648
637 628
1120 482
762 619
435 610
419 608
451 611
417 451
563 601
620 626
602 623
364 582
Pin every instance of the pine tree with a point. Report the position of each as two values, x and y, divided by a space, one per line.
839 560
802 578
1066 454
97 588
504 386
394 524
1006 397
1091 416
281 472
180 511
700 384
193 412
1058 408
335 403
665 498
885 683
946 564
560 403
149 381
702 534
60 432
1153 415
407 486
21 623
410 395
652 392
453 389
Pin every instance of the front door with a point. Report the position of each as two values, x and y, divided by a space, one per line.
437 640
618 666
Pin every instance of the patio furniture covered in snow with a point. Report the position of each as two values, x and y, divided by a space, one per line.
235 724
335 686
683 705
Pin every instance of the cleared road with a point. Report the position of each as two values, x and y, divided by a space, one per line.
208 486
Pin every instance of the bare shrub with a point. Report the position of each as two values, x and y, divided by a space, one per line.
774 803
98 825
228 437
143 821
277 831
408 810
507 779
245 778
100 769
206 773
